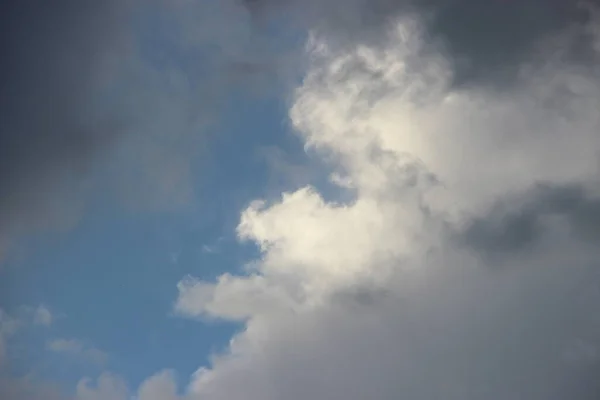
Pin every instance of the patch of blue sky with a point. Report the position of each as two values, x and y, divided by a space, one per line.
114 275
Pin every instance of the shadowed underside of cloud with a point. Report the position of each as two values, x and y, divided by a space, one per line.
518 225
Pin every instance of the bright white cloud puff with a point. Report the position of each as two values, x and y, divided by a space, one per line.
395 295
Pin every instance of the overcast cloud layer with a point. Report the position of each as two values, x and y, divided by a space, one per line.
466 266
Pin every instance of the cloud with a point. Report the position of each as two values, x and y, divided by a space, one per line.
113 97
518 224
42 316
9 326
107 387
28 389
49 135
85 82
160 386
77 349
473 33
375 297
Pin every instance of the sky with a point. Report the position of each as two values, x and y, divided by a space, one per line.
324 199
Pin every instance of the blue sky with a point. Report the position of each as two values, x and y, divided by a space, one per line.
320 199
111 281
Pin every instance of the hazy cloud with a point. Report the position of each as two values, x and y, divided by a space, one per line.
487 41
29 389
42 316
53 57
77 349
114 96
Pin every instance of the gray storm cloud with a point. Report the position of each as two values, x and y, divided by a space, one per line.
52 56
82 91
397 293
487 40
517 224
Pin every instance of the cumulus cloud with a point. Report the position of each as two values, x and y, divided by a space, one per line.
107 387
29 389
60 80
160 386
393 295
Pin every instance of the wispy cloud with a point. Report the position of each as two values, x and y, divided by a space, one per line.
43 316
8 327
77 349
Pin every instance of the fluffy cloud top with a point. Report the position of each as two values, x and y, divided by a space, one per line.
395 294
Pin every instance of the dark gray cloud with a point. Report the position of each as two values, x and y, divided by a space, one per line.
56 59
53 56
487 40
77 79
491 38
121 89
517 225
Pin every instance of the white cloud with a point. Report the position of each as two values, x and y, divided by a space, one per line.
107 387
374 298
159 387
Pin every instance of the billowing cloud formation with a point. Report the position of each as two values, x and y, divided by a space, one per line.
396 294
56 77
486 40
